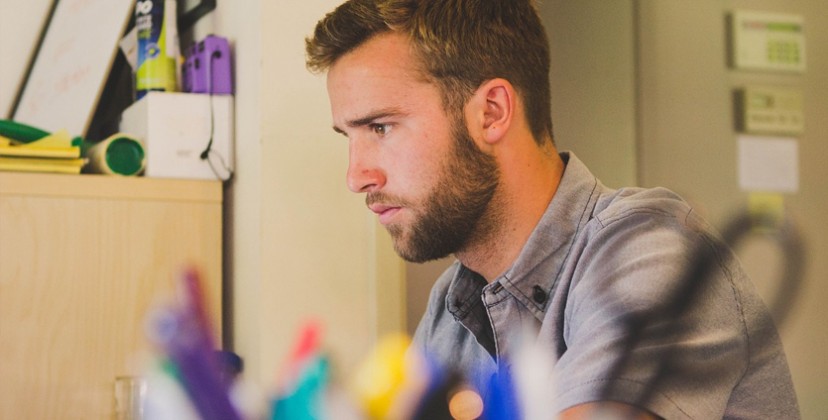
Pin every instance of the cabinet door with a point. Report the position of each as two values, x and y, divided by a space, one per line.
78 274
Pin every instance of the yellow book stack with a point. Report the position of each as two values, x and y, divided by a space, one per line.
52 153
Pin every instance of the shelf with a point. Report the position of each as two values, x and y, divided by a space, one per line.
107 186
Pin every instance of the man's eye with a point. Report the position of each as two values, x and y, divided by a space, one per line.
380 129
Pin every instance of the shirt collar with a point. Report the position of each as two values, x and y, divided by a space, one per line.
535 272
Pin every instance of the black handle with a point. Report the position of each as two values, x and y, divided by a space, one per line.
188 19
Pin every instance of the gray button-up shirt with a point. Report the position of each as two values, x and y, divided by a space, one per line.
596 255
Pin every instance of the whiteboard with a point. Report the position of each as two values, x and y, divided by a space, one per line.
74 61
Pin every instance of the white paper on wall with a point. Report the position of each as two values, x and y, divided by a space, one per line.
768 164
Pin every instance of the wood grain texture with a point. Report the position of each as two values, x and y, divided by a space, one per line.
82 261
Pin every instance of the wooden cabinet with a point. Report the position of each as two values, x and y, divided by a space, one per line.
82 259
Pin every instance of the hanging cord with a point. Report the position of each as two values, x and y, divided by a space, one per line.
222 172
697 275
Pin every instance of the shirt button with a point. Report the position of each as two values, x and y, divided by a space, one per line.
538 294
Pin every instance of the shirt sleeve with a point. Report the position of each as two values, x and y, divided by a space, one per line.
629 266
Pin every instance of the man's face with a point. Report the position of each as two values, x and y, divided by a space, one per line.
422 173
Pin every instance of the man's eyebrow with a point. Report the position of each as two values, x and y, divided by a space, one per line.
369 119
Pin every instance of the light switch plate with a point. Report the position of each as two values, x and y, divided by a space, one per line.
767 41
766 110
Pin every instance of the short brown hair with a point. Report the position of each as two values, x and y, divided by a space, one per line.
462 43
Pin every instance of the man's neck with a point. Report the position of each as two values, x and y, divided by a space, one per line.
528 184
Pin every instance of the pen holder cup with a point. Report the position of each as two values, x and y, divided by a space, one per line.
130 397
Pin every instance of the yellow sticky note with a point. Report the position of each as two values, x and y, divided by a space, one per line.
766 207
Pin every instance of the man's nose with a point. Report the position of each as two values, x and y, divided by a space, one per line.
364 172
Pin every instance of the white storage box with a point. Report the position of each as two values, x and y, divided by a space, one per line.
175 129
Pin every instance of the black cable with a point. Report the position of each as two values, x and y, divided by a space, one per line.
697 275
208 151
188 19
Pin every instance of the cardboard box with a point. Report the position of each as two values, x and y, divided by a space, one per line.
175 129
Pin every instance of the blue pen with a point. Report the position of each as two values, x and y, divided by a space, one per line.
501 402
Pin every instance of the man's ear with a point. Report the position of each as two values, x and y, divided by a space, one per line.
495 101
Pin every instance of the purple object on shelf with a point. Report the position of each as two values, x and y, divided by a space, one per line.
207 67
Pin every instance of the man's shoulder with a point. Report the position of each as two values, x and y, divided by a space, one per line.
634 202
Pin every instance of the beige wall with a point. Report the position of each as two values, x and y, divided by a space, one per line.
301 245
687 143
593 84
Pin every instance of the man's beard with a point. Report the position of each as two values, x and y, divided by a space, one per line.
457 211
